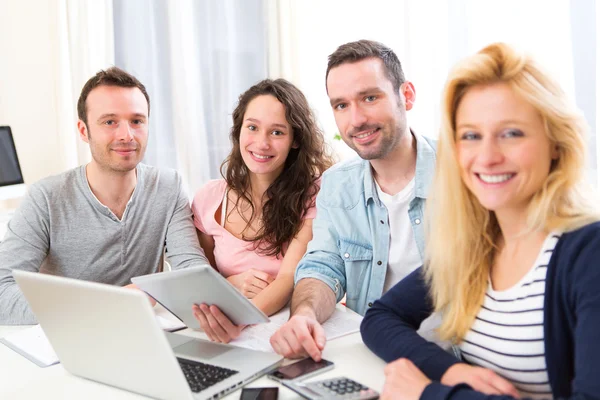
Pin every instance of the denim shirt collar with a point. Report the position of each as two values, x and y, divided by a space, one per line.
424 171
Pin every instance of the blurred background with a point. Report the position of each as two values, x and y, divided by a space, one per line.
197 56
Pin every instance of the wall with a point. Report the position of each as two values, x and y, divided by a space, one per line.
28 93
34 45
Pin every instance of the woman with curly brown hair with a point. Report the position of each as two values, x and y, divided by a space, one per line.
254 225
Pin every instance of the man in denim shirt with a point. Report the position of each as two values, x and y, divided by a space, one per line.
368 233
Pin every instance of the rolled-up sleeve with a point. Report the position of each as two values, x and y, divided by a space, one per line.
322 260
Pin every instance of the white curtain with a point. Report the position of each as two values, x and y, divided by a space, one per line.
429 37
85 46
49 49
195 58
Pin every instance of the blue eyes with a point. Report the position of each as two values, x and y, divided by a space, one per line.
470 136
507 133
367 99
512 133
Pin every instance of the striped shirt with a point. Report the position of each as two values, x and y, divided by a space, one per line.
508 333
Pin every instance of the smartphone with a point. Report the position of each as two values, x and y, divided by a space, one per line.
261 393
300 370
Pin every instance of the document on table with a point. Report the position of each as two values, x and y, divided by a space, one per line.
32 343
342 322
167 321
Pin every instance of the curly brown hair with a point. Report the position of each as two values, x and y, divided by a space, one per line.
292 193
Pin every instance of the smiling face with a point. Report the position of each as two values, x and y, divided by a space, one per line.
266 137
117 128
503 150
369 114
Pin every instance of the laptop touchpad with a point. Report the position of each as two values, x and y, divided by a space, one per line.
200 349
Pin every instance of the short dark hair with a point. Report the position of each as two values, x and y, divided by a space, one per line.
113 76
362 49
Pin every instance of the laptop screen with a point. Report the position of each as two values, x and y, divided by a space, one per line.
10 170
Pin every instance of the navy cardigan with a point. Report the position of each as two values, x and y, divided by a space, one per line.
571 324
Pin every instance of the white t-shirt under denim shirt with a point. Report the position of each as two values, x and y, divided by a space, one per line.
404 255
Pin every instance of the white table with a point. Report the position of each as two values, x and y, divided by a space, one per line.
21 379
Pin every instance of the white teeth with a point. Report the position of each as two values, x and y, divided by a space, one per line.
261 157
495 178
364 135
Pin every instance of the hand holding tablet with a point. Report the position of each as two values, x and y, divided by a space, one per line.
179 290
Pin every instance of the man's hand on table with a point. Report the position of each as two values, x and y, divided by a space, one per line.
301 336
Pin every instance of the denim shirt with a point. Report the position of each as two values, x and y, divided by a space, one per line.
351 234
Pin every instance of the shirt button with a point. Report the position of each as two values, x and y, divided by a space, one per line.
417 221
381 221
370 304
378 262
346 255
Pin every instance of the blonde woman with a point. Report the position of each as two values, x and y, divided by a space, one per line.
513 259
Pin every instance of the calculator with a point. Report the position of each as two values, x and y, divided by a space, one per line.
334 388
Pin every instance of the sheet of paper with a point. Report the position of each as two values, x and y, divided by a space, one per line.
168 325
166 320
33 344
342 322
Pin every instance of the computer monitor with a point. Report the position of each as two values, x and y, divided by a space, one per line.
11 178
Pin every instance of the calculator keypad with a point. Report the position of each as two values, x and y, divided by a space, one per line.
342 388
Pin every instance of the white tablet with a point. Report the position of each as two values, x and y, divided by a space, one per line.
178 290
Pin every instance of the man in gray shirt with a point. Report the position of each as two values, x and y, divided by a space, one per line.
106 221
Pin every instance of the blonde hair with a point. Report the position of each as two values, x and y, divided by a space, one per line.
462 234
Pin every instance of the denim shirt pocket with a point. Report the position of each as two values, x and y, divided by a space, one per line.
358 260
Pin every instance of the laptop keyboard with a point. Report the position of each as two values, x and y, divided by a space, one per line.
200 376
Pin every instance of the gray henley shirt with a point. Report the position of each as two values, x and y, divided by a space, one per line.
62 229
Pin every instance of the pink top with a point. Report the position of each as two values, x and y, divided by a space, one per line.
232 255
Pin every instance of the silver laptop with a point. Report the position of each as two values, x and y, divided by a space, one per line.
109 334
